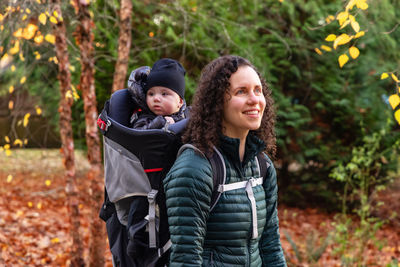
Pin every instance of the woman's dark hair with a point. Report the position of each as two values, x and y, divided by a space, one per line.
205 124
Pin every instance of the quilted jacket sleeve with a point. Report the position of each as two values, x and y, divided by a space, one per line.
188 189
270 245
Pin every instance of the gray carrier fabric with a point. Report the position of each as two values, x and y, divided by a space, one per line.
124 175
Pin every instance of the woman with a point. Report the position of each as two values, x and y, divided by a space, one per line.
233 111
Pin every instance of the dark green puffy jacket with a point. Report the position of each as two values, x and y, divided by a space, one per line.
224 236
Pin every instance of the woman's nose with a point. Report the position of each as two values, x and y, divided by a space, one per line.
252 98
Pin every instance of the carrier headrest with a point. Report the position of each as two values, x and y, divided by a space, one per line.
121 107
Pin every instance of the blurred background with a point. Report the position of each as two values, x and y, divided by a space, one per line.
332 67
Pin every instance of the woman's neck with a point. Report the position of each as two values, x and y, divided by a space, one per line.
242 146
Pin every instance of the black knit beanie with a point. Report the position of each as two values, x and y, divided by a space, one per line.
168 73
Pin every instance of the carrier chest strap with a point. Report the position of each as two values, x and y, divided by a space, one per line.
151 197
248 185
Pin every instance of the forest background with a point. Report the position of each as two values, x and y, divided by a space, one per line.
332 67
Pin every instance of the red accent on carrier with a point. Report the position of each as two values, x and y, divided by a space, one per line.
153 170
102 125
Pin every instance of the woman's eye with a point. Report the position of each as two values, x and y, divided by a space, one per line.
150 94
258 91
240 91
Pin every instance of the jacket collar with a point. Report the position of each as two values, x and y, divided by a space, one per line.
230 147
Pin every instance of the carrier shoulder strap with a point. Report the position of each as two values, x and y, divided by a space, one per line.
219 169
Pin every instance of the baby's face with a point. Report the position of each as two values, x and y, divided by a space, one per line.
163 101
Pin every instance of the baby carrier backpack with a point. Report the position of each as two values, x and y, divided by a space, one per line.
135 163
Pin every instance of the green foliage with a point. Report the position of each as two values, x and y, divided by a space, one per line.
360 176
323 111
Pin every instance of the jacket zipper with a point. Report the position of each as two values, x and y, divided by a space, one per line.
212 258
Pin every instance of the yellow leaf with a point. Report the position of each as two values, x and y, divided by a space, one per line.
21 56
329 19
24 17
53 20
26 119
350 4
39 205
38 1
394 77
319 52
55 240
68 94
23 80
355 26
47 182
18 33
17 142
25 141
343 60
326 48
38 110
342 17
19 213
50 38
7 139
354 52
11 89
10 104
27 10
384 76
352 18
397 116
43 18
47 13
1 17
30 204
342 39
359 34
8 152
345 24
38 39
55 13
330 38
361 4
30 31
71 68
6 146
37 55
15 49
13 68
394 101
9 178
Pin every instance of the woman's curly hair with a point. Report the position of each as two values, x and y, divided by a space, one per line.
205 124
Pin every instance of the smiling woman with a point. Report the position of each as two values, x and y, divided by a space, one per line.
232 116
243 105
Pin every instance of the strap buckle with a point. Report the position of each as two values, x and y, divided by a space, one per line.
151 196
103 125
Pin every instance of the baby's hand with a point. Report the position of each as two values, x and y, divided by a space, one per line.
169 119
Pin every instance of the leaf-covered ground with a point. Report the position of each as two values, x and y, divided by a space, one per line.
34 220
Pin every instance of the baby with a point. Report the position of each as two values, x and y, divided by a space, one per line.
159 93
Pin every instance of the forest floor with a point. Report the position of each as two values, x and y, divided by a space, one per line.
34 221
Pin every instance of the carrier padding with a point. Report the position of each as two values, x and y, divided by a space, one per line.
124 174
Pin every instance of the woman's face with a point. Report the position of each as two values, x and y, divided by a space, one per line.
244 105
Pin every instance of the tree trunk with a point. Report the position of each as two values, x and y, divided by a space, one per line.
124 45
84 38
67 141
